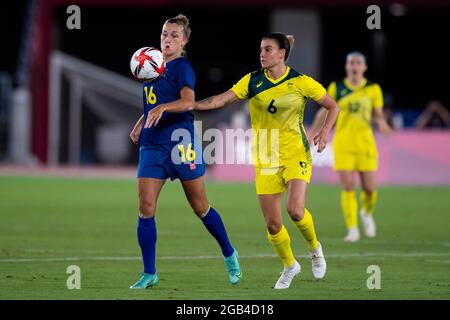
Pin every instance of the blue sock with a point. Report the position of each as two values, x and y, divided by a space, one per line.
146 232
214 224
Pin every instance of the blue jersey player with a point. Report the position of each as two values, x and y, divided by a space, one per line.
165 134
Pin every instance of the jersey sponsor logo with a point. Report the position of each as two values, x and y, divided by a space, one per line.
259 84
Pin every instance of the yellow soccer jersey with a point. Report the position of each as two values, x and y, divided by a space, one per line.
353 131
276 112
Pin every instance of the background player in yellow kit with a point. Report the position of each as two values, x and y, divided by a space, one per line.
280 148
354 144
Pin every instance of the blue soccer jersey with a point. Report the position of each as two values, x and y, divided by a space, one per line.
179 73
161 155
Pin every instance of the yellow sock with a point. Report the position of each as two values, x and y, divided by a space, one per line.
281 242
306 227
368 201
349 208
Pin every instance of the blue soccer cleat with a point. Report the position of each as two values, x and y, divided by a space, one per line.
146 281
233 269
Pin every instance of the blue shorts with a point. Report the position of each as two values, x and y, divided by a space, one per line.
157 162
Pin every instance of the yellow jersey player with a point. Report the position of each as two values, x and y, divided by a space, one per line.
280 148
354 143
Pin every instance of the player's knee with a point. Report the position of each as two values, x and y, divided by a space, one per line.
200 207
274 226
348 187
296 211
348 184
147 208
368 190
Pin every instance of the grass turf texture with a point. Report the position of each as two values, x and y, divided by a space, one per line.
52 223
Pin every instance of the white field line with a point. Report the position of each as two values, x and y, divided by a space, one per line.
438 261
255 256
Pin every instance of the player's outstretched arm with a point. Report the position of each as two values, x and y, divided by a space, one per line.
333 110
216 102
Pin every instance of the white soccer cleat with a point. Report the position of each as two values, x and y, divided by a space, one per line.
369 224
287 275
352 235
319 265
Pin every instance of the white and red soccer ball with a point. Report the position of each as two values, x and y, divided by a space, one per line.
147 63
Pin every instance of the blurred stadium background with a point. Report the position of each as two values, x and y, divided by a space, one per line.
68 102
68 97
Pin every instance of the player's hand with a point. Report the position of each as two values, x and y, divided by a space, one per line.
320 140
134 135
385 129
154 116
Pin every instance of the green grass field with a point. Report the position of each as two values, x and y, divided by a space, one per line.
47 224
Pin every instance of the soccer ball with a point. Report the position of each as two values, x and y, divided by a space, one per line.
147 63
